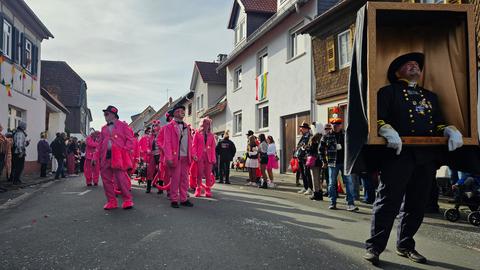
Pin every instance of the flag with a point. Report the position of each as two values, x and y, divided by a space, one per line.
261 87
9 90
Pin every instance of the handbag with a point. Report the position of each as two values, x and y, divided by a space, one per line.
294 164
311 160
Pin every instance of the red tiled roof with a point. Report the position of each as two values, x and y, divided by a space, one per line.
261 6
208 72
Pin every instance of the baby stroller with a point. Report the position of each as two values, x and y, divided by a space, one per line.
467 193
141 172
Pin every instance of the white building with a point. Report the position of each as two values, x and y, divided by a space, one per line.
55 114
20 96
139 120
267 46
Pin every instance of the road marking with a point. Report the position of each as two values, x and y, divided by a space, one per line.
83 193
76 192
17 200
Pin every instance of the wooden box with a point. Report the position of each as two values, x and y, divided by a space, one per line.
445 33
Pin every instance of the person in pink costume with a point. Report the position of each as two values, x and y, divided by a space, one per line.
116 142
177 149
91 166
203 152
145 145
162 180
154 156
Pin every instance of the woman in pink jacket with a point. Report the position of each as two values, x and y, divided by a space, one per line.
92 166
116 143
203 152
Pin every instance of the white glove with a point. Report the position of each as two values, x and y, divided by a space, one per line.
455 138
393 139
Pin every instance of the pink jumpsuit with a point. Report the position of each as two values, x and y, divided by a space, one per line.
204 151
92 172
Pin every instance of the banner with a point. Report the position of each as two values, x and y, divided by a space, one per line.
261 87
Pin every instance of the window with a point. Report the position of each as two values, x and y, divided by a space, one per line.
262 62
263 117
201 102
18 44
189 109
198 104
28 55
296 42
237 122
7 39
237 78
344 49
240 31
15 115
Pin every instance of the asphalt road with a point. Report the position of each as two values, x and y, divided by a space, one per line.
62 225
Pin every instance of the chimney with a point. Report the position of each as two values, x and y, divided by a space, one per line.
221 58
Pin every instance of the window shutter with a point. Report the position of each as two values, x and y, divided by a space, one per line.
331 54
34 59
23 58
14 44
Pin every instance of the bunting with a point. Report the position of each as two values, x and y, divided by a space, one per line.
9 90
261 87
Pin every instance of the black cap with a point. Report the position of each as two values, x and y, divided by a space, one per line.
401 60
250 133
112 109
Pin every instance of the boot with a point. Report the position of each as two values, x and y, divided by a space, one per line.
317 196
110 205
198 192
149 186
208 193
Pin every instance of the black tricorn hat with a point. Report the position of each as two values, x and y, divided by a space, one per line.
399 61
112 109
305 125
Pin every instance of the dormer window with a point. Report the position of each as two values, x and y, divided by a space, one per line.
240 31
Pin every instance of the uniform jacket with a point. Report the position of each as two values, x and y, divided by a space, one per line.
121 136
171 141
91 151
199 146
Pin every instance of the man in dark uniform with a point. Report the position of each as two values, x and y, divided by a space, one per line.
406 109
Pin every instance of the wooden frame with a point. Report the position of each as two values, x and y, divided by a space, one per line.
374 86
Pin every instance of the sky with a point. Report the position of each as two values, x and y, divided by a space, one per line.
130 52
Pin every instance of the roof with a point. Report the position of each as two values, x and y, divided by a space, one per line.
28 17
59 77
165 108
260 6
52 99
217 108
208 72
140 115
273 21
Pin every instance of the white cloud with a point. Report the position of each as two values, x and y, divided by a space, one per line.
130 51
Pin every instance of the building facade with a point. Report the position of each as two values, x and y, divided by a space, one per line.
269 72
55 114
139 120
20 69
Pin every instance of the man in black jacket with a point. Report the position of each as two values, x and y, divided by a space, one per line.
59 150
226 151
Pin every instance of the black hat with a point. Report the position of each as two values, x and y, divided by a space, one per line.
112 109
250 133
176 107
305 125
399 61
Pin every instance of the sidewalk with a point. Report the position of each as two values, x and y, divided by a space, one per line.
27 181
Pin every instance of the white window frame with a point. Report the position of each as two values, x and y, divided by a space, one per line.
262 62
343 63
240 30
28 55
13 117
237 125
7 39
198 103
261 126
296 42
237 78
201 101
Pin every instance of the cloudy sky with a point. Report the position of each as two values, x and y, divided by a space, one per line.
131 51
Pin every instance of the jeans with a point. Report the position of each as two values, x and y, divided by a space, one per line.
224 171
18 165
333 183
60 168
368 187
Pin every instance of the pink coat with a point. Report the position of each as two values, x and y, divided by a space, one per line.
91 151
145 147
122 136
160 142
171 138
199 146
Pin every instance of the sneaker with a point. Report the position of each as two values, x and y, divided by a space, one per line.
372 257
174 205
308 192
352 208
332 207
413 255
271 185
186 203
227 182
302 191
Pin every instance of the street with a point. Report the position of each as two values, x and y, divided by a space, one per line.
63 226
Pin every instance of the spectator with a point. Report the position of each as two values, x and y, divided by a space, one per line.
226 151
327 130
59 152
272 160
301 154
43 153
332 151
8 155
316 168
72 152
252 160
83 149
262 150
20 144
3 150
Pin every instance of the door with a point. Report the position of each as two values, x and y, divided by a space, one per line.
291 135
